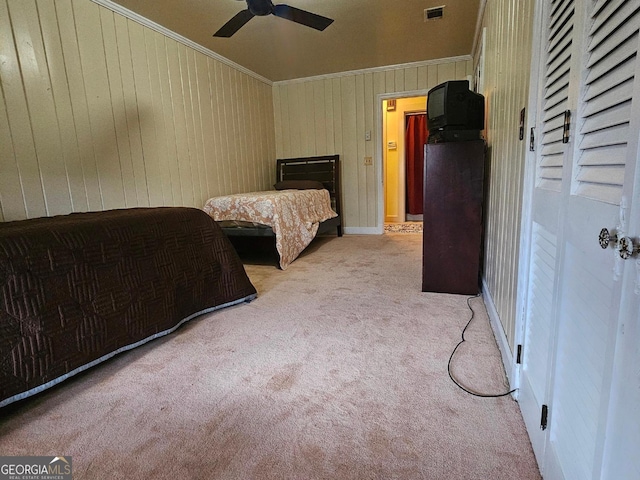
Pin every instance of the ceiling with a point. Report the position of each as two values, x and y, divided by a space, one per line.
364 34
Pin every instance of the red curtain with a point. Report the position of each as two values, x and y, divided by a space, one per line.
415 139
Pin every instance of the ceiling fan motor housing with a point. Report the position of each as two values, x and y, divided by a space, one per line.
260 8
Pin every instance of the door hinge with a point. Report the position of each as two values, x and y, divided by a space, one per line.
566 127
543 417
519 355
532 139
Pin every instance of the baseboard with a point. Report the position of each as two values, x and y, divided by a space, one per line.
363 230
503 344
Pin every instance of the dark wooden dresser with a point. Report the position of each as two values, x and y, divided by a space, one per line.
452 233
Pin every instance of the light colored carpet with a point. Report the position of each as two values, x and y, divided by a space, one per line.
337 371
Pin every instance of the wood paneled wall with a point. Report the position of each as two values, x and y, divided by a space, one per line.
331 114
508 45
100 112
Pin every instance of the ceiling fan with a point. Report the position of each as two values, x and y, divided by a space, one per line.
262 8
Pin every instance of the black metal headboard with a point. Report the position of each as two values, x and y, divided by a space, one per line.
325 169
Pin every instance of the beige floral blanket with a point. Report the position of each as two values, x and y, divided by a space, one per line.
293 215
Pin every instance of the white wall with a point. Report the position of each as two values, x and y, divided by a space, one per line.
506 87
99 112
330 114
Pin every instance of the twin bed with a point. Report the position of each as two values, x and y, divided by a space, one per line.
77 289
305 203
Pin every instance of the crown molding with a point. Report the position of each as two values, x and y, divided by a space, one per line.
385 68
120 10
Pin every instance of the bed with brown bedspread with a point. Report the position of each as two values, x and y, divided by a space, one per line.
78 289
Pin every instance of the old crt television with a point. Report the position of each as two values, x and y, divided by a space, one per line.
452 107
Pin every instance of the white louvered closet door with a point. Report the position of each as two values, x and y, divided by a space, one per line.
557 63
579 296
608 90
557 75
612 131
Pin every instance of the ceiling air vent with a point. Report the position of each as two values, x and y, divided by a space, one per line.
435 13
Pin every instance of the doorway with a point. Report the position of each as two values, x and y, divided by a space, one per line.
395 114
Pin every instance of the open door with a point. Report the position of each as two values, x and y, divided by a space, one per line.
393 154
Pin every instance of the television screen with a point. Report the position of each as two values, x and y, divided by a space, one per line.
452 106
436 103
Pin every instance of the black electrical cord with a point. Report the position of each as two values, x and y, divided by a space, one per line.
483 395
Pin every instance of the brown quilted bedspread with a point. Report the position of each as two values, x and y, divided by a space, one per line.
77 289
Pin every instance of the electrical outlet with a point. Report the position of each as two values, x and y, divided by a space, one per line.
368 160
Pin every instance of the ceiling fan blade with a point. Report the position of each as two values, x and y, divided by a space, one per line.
233 25
302 16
